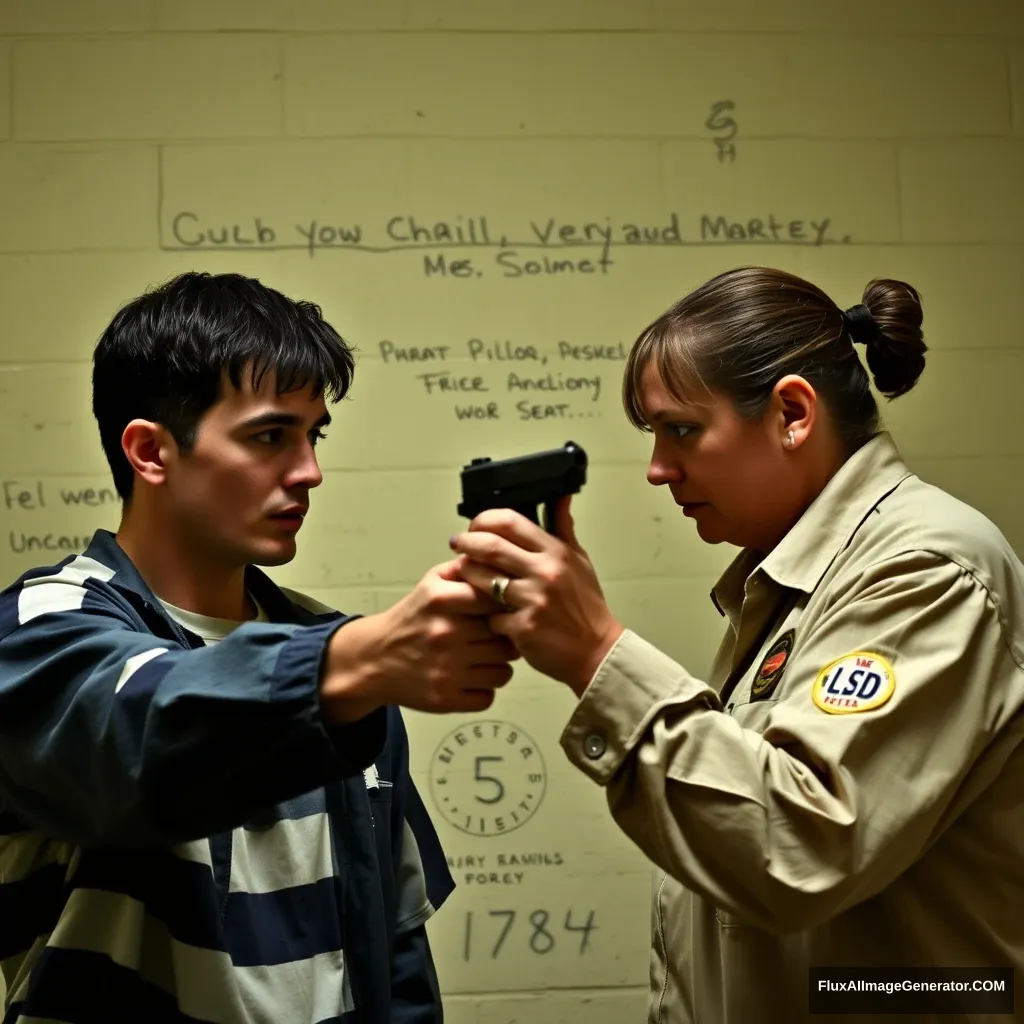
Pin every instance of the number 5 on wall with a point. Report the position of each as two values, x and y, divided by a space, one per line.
478 777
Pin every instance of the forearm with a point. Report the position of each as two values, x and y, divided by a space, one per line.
353 682
748 819
108 740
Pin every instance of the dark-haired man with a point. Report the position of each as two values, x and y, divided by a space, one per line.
206 812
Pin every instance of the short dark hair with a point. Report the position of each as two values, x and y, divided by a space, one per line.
742 331
165 354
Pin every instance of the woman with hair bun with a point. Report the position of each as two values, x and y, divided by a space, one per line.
844 789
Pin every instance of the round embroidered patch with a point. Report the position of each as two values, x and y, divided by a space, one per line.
770 672
861 681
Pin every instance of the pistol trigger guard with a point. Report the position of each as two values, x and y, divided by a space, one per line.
549 516
530 511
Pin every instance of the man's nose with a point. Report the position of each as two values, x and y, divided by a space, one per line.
306 472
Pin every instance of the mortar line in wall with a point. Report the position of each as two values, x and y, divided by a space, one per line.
560 138
1009 83
6 365
90 250
135 34
640 461
315 33
159 195
147 250
387 250
517 137
898 171
282 123
543 990
659 149
10 90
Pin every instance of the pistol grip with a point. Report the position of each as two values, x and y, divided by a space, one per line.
549 515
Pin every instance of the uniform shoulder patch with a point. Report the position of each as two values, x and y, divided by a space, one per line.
859 681
768 674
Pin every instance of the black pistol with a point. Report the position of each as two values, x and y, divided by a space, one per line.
524 482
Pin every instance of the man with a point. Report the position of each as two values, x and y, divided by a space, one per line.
206 812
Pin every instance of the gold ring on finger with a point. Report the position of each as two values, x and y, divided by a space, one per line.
498 587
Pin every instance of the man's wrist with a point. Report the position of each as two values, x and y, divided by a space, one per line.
350 685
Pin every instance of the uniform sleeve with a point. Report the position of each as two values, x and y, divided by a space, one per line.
422 884
113 736
788 827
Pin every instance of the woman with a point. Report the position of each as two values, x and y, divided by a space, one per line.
844 789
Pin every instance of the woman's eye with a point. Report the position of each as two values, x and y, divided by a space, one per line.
679 429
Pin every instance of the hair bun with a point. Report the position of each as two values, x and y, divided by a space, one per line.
891 334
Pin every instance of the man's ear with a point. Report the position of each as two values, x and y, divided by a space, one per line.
148 447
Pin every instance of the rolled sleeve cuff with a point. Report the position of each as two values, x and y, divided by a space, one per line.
630 687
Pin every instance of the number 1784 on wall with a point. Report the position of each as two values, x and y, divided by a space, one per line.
496 932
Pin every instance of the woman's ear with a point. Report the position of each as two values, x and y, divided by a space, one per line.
795 410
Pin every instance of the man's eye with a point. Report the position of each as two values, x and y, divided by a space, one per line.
315 436
272 436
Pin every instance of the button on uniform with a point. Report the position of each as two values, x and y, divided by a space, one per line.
594 746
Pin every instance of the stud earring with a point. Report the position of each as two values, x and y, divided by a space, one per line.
790 440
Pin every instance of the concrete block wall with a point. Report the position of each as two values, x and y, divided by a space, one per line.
465 187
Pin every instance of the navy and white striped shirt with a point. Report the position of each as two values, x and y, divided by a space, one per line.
182 838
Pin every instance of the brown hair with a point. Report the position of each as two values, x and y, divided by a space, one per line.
743 330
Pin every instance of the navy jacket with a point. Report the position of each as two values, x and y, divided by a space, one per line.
182 836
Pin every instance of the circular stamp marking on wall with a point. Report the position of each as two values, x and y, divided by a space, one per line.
487 778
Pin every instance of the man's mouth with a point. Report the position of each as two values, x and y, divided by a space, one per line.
291 516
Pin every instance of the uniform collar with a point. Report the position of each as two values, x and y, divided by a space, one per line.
803 556
105 549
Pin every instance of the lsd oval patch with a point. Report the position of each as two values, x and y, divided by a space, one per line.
860 681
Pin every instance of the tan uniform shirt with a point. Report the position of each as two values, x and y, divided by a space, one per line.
848 788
